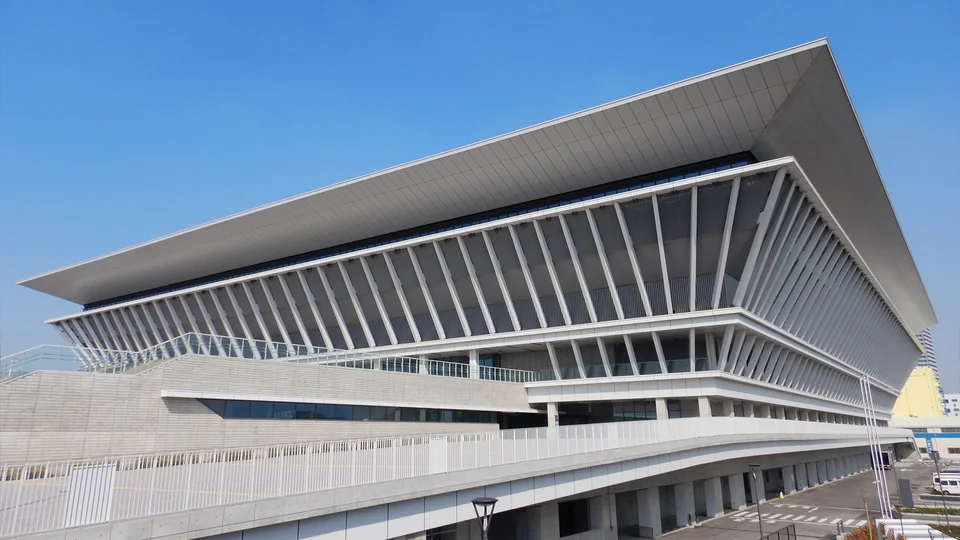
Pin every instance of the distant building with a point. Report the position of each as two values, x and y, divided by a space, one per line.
920 397
951 404
929 356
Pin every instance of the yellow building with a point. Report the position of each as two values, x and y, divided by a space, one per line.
920 397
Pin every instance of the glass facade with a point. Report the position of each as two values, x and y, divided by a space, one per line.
282 410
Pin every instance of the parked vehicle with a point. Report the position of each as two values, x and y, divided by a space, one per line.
947 482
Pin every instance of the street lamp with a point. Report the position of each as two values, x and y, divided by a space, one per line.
483 507
756 491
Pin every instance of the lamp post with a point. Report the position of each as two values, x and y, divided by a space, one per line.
756 491
483 507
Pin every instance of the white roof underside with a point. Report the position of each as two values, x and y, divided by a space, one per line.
791 103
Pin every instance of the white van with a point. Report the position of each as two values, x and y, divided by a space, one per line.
947 483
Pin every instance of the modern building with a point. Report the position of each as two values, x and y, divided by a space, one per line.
941 434
920 396
951 404
929 356
617 323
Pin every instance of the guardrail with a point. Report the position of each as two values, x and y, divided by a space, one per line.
36 497
63 358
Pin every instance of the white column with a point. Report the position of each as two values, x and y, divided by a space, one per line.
686 507
648 509
553 416
728 407
705 410
738 497
829 464
789 482
662 413
822 471
748 410
608 516
422 366
474 364
714 492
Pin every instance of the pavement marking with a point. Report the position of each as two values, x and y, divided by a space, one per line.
814 508
775 516
793 506
821 520
799 518
811 518
838 520
849 522
787 517
741 514
862 523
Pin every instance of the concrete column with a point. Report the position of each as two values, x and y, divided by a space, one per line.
832 471
748 410
789 481
475 364
662 413
822 471
800 475
608 516
714 492
780 412
553 416
549 520
738 497
756 487
727 407
686 507
648 509
813 478
764 411
705 410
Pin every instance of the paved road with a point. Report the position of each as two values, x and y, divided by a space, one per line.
815 512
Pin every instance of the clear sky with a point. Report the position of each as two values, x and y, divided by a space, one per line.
123 121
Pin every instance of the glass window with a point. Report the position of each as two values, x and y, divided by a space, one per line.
378 414
217 406
953 450
238 409
325 411
305 411
343 412
409 415
284 410
361 413
448 416
261 409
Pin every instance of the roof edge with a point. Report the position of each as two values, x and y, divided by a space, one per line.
26 282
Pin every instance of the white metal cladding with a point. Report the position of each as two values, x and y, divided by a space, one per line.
763 241
35 498
790 103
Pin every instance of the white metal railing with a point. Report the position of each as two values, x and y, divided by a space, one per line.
63 358
36 497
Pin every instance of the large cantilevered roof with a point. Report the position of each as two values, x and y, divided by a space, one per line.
790 103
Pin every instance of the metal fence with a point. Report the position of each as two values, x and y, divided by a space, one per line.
787 533
63 358
36 497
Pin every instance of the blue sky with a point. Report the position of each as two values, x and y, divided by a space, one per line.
124 121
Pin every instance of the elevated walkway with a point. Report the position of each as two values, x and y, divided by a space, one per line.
63 358
211 492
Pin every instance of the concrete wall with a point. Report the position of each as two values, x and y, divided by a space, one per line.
58 415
